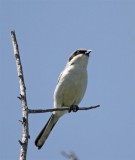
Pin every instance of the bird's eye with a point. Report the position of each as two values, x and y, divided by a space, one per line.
76 52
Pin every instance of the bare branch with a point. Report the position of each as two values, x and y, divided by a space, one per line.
60 109
25 127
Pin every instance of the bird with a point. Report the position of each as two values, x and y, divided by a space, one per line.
69 91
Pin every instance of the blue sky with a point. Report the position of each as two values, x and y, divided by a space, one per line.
47 32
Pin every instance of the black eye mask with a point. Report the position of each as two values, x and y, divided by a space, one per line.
83 51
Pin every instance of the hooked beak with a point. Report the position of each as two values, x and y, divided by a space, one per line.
88 52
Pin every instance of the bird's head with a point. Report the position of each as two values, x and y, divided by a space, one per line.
79 57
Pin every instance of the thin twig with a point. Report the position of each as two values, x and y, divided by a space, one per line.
59 109
70 156
25 127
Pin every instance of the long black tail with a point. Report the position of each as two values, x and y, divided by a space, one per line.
43 135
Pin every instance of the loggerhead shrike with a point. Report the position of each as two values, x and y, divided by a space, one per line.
69 91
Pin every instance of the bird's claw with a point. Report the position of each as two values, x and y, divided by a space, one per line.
73 108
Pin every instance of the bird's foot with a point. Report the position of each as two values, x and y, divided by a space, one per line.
73 108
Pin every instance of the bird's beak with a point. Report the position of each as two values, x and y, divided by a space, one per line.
88 52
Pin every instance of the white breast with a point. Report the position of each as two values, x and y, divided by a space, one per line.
71 86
